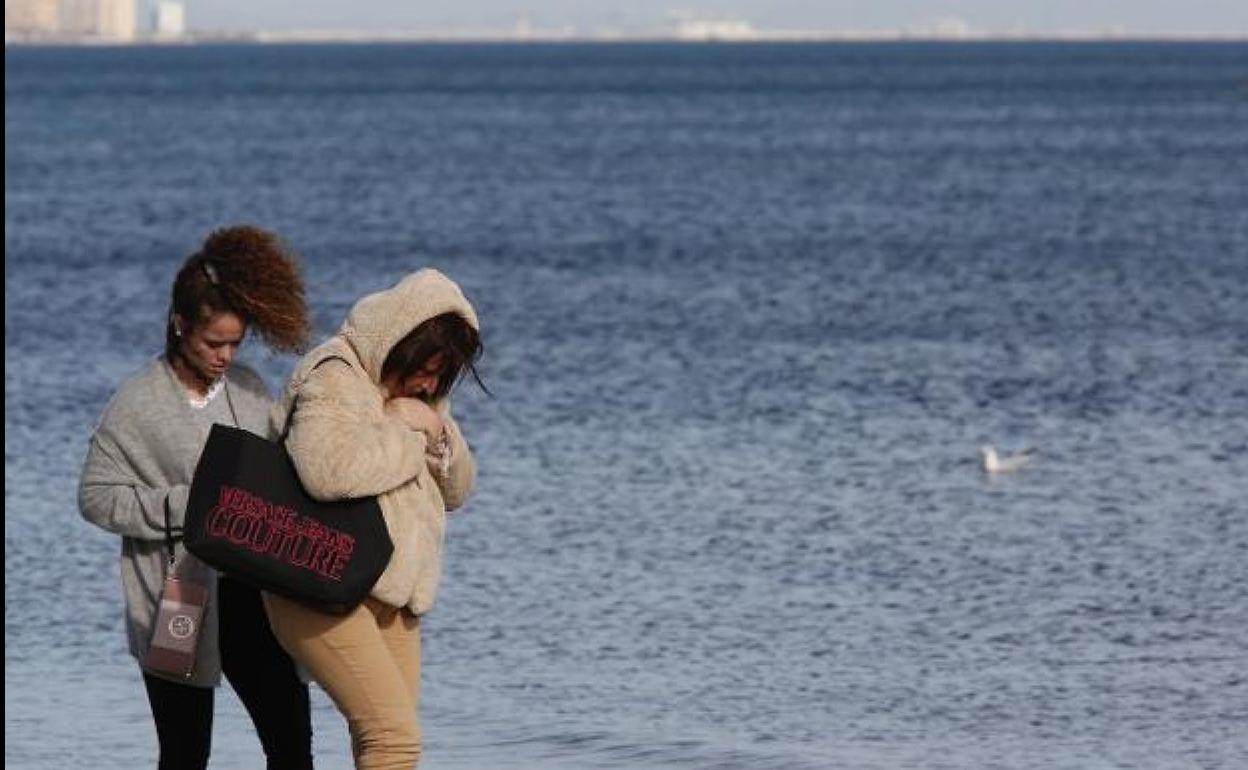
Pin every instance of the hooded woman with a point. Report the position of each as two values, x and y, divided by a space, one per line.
137 477
368 413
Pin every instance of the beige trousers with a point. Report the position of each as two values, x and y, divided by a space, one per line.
369 663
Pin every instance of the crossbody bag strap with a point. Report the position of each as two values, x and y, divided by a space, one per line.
290 414
170 538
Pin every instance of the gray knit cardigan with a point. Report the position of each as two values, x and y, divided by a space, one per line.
142 455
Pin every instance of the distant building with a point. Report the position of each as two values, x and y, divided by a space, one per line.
707 30
170 20
31 19
99 20
119 20
106 21
950 29
523 29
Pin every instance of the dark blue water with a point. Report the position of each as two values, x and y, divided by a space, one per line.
749 312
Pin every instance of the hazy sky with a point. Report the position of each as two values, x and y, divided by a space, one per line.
1179 17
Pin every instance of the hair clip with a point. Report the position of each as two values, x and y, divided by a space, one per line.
211 272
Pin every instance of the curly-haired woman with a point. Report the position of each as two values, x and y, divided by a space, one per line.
137 477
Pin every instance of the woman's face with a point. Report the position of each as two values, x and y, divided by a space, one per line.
209 348
422 383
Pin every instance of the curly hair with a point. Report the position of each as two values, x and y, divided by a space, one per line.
247 271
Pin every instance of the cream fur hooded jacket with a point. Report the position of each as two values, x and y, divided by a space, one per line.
344 445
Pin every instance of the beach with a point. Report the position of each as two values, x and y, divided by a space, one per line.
749 312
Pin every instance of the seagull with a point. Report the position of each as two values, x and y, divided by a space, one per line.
995 464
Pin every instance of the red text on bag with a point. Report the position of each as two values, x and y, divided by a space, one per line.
285 534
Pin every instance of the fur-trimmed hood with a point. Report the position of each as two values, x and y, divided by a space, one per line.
379 321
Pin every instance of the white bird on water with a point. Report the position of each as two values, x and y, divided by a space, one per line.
994 463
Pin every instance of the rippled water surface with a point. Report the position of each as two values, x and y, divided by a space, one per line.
749 312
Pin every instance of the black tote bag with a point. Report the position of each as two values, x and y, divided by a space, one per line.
249 516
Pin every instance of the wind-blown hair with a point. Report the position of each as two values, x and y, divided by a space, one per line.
249 272
448 334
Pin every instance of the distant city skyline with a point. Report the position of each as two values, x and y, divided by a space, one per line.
114 21
640 17
292 20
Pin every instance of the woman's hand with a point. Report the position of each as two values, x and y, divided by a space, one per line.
417 415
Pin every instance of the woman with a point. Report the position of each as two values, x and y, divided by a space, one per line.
137 477
368 414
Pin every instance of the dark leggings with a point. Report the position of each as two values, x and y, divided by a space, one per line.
262 675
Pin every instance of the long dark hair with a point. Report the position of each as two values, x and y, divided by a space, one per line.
449 334
246 271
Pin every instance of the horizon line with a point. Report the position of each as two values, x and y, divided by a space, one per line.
510 37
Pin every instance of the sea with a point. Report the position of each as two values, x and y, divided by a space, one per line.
750 311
